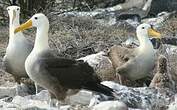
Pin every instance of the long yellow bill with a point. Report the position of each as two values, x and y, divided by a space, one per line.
154 33
24 26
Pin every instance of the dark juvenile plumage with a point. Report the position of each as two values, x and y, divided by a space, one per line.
163 78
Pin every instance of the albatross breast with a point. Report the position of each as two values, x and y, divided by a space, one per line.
16 54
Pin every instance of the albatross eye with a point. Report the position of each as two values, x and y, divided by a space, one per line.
35 18
143 27
18 9
8 9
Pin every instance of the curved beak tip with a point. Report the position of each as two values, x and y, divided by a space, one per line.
154 33
24 26
16 30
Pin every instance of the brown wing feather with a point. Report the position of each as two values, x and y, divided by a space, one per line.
120 55
71 73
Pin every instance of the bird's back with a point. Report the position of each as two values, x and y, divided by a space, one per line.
120 55
70 73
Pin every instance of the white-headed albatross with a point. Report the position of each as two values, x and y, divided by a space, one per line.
18 47
58 75
135 63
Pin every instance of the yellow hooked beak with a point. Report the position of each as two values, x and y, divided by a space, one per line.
24 26
154 33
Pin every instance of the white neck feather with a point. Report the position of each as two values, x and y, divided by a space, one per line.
12 25
41 41
145 43
15 21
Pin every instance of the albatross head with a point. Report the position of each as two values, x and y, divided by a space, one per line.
144 30
38 20
14 13
41 22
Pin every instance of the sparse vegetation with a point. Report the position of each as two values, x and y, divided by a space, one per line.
75 37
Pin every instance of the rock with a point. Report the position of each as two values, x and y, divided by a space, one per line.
5 105
8 91
133 17
42 96
82 97
25 103
131 42
41 102
170 40
110 105
140 98
171 49
130 9
106 18
158 6
150 7
173 105
108 3
158 20
134 109
66 107
101 64
128 4
102 17
32 102
92 4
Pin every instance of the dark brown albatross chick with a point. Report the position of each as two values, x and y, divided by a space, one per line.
58 75
162 78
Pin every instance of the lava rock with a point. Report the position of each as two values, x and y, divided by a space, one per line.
158 6
111 105
139 98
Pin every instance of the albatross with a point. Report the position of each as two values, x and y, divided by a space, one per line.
18 47
58 75
135 63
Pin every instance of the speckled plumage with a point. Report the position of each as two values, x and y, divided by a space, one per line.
162 78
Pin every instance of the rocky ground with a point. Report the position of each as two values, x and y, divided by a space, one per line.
78 34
